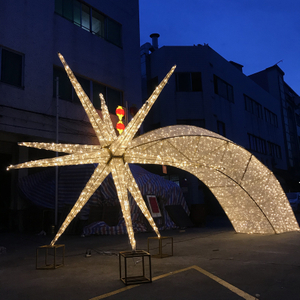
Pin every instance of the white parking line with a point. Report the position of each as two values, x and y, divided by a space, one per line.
229 286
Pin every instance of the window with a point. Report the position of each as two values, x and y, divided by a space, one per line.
271 117
85 17
65 89
253 107
11 67
98 23
90 19
221 128
113 97
113 32
151 85
223 89
85 84
274 150
97 89
192 122
257 144
188 82
297 119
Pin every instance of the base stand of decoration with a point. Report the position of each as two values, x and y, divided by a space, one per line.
160 253
50 251
137 264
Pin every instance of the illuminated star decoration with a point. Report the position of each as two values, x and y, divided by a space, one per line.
109 156
247 190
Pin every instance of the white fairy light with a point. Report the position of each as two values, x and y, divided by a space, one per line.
108 155
249 193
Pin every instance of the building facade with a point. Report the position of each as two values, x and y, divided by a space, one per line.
272 80
100 42
208 91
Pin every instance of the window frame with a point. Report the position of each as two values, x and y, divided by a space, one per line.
271 117
21 74
59 10
229 89
221 128
91 94
274 150
257 144
191 79
253 107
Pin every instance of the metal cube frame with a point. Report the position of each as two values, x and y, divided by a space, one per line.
160 253
54 264
142 278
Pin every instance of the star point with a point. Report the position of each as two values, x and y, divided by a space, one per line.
109 156
227 169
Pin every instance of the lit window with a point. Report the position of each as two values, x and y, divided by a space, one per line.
98 24
85 22
90 19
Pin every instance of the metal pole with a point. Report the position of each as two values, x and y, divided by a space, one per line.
126 114
56 168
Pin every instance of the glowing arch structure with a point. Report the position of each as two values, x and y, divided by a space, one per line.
247 190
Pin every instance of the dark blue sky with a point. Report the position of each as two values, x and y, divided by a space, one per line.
254 33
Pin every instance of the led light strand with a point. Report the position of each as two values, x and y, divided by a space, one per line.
99 126
118 174
136 194
119 146
67 148
101 156
96 179
87 154
249 193
106 118
244 186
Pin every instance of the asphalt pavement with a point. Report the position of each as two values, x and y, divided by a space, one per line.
211 262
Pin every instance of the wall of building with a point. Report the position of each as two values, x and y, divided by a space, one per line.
173 106
33 28
28 112
206 104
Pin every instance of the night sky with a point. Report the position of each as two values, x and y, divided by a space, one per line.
254 33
